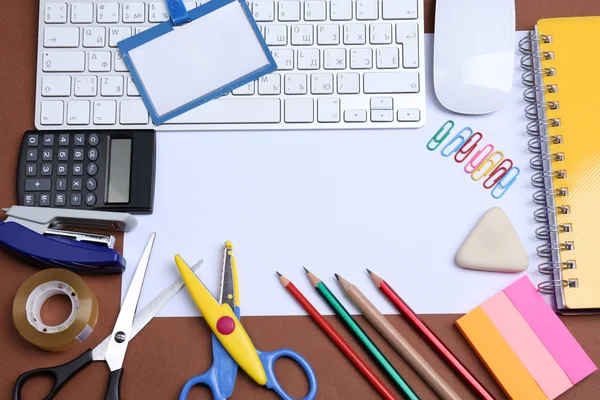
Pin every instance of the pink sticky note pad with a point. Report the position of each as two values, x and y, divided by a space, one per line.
528 348
553 334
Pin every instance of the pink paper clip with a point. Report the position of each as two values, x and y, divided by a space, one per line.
461 137
488 165
501 186
498 173
437 139
479 157
472 143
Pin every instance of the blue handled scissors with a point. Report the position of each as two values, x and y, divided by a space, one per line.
231 345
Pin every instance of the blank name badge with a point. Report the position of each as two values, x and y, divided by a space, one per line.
196 56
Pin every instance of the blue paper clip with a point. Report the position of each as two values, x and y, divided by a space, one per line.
454 139
179 14
502 186
437 139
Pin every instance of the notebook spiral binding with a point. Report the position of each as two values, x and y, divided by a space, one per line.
541 129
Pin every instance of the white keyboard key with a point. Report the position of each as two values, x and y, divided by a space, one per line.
302 35
190 5
55 13
382 103
134 13
56 85
382 115
334 58
233 111
355 116
412 115
86 86
107 13
387 58
321 83
299 110
380 33
391 82
340 10
295 84
120 65
407 34
361 58
284 59
400 9
132 90
328 109
158 12
94 36
52 113
61 36
348 83
276 35
367 10
117 34
328 34
315 10
289 10
64 61
140 29
105 112
99 61
308 59
82 13
78 112
111 86
263 10
269 84
245 90
133 112
355 33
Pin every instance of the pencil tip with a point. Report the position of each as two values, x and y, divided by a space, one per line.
305 270
337 277
369 271
277 272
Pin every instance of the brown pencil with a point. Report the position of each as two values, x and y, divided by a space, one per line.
398 342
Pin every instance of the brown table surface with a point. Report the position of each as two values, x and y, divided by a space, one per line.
171 350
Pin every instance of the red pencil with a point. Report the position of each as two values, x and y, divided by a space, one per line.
337 339
433 340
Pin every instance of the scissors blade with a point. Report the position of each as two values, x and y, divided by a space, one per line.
121 335
146 314
227 278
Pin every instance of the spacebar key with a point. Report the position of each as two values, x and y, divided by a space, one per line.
233 111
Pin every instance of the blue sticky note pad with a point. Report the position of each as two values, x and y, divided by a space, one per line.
179 67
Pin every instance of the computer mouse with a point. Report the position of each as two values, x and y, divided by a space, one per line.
473 56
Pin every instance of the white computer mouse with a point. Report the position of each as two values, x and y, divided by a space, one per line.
474 51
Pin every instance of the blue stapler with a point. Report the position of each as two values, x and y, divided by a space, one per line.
36 235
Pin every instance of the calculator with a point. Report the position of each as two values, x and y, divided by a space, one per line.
93 170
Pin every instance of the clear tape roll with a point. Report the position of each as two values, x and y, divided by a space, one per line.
32 295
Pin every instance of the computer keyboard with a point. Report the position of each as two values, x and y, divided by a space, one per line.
341 64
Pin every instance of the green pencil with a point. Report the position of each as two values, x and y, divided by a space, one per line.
357 331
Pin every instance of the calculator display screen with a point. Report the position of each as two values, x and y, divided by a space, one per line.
119 174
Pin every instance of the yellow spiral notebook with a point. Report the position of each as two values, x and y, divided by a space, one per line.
560 57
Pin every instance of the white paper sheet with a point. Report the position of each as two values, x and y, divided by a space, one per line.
333 202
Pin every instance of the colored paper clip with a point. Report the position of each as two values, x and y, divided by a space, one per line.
178 12
488 165
502 186
436 139
472 142
479 158
460 137
497 174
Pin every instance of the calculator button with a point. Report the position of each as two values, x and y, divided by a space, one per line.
90 199
32 155
31 170
32 140
48 141
91 184
92 169
79 139
93 154
77 169
60 200
63 155
61 185
61 170
46 169
37 185
93 139
76 199
76 184
47 155
63 139
29 200
45 200
78 155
